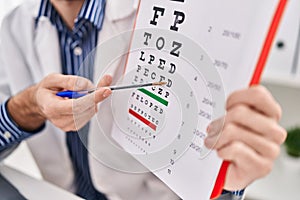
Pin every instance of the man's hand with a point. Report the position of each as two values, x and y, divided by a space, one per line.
249 136
32 107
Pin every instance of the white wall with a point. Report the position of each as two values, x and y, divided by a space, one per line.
278 76
284 180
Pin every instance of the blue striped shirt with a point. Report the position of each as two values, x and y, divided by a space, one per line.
76 44
10 133
75 47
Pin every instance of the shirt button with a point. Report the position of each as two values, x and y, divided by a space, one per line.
77 51
7 135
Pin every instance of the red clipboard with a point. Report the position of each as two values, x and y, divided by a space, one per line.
254 81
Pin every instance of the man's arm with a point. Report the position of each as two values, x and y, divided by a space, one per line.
25 113
23 110
10 133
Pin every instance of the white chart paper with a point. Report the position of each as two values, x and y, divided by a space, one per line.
164 127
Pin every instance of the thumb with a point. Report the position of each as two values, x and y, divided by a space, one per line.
101 94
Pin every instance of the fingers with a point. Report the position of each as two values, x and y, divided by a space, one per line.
255 121
81 119
245 124
80 105
77 83
73 123
244 156
105 81
84 108
70 114
66 82
246 165
81 83
101 94
249 136
233 132
257 97
216 126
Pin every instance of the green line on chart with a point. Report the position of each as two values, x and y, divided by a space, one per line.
157 98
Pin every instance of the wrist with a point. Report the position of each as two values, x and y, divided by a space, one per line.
24 110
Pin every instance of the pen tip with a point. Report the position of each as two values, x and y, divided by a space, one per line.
159 83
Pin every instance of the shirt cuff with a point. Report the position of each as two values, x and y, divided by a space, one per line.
10 132
235 195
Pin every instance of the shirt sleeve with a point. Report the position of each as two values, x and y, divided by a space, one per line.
10 133
232 195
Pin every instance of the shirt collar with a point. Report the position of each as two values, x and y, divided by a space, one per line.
112 13
92 11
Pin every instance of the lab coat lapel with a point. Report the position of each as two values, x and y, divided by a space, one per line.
112 44
56 167
120 15
47 47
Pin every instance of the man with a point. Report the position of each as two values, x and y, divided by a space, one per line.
42 40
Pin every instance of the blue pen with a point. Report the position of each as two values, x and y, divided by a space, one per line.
77 94
71 94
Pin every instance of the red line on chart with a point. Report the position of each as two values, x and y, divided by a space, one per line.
142 119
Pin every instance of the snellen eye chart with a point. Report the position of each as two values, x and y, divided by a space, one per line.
203 50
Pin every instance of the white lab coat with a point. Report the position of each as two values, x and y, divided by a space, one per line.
28 55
